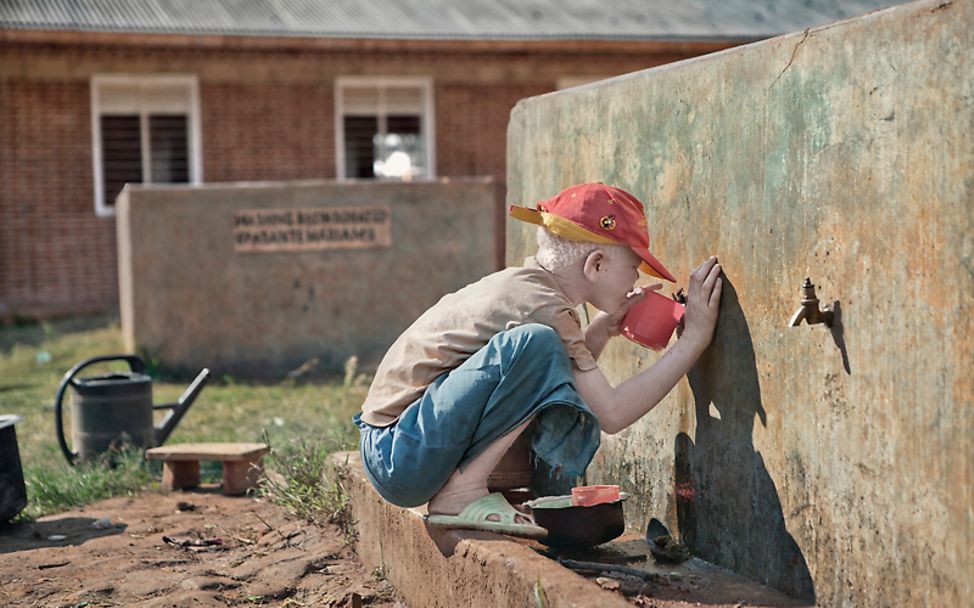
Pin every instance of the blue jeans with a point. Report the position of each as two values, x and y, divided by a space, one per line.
519 374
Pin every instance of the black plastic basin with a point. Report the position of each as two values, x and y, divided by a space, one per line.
570 526
13 492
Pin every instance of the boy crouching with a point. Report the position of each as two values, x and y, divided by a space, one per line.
468 376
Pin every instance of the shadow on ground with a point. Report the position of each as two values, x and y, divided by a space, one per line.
48 533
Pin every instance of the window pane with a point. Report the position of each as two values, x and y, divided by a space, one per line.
403 124
399 153
359 147
169 144
121 153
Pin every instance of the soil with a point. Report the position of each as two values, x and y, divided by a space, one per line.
183 549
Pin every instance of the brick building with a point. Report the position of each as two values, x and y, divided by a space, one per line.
107 92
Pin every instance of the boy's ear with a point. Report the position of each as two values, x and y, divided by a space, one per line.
593 265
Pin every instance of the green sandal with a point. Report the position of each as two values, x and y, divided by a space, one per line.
474 517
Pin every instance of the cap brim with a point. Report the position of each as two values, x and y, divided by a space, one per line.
560 226
652 266
526 215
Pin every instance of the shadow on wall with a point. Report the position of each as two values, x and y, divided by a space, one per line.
727 505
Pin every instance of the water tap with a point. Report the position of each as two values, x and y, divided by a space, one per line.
809 310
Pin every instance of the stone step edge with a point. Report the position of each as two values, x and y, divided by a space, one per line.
457 568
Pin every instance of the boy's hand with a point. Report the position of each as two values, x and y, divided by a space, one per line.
703 304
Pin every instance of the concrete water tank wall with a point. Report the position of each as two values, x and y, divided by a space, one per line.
192 294
835 464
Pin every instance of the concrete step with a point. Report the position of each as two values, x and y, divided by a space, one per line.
458 568
479 569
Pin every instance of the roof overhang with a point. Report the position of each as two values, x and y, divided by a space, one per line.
243 42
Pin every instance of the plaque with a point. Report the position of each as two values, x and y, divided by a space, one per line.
311 229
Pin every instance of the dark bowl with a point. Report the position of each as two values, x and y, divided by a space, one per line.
570 526
13 492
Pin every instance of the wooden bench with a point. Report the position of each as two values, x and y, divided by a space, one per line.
181 464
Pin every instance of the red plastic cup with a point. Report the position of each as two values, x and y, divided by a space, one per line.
587 496
651 322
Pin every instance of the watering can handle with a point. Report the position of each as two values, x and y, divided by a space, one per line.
136 364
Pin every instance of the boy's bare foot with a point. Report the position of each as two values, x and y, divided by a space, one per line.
452 503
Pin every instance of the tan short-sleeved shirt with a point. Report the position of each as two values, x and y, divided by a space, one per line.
460 324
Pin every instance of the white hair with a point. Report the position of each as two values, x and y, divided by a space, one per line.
556 252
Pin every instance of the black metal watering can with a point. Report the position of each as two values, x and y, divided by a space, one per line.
117 406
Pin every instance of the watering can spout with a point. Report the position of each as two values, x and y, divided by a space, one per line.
176 410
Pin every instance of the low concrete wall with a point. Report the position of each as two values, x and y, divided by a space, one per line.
241 278
450 568
834 464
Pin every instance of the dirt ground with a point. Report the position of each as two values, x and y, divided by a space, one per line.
179 550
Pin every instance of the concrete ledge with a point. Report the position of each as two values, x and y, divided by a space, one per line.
468 569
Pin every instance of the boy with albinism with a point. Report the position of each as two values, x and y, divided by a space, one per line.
469 375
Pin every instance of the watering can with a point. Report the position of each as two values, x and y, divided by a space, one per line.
116 406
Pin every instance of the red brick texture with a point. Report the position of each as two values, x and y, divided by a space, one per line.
265 115
266 131
55 254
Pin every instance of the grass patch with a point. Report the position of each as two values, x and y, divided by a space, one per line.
51 490
294 417
303 478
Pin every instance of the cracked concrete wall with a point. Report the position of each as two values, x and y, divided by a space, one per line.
834 464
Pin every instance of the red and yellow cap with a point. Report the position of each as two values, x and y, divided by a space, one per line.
596 213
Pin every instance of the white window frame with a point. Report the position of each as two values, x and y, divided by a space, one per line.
191 82
427 120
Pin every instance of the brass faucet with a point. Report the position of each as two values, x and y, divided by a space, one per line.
809 310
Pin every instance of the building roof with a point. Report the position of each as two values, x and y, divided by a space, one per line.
438 19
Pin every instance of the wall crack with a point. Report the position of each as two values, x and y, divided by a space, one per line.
794 53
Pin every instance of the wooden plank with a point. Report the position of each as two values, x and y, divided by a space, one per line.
208 451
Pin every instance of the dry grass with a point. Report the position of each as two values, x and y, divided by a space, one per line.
303 478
